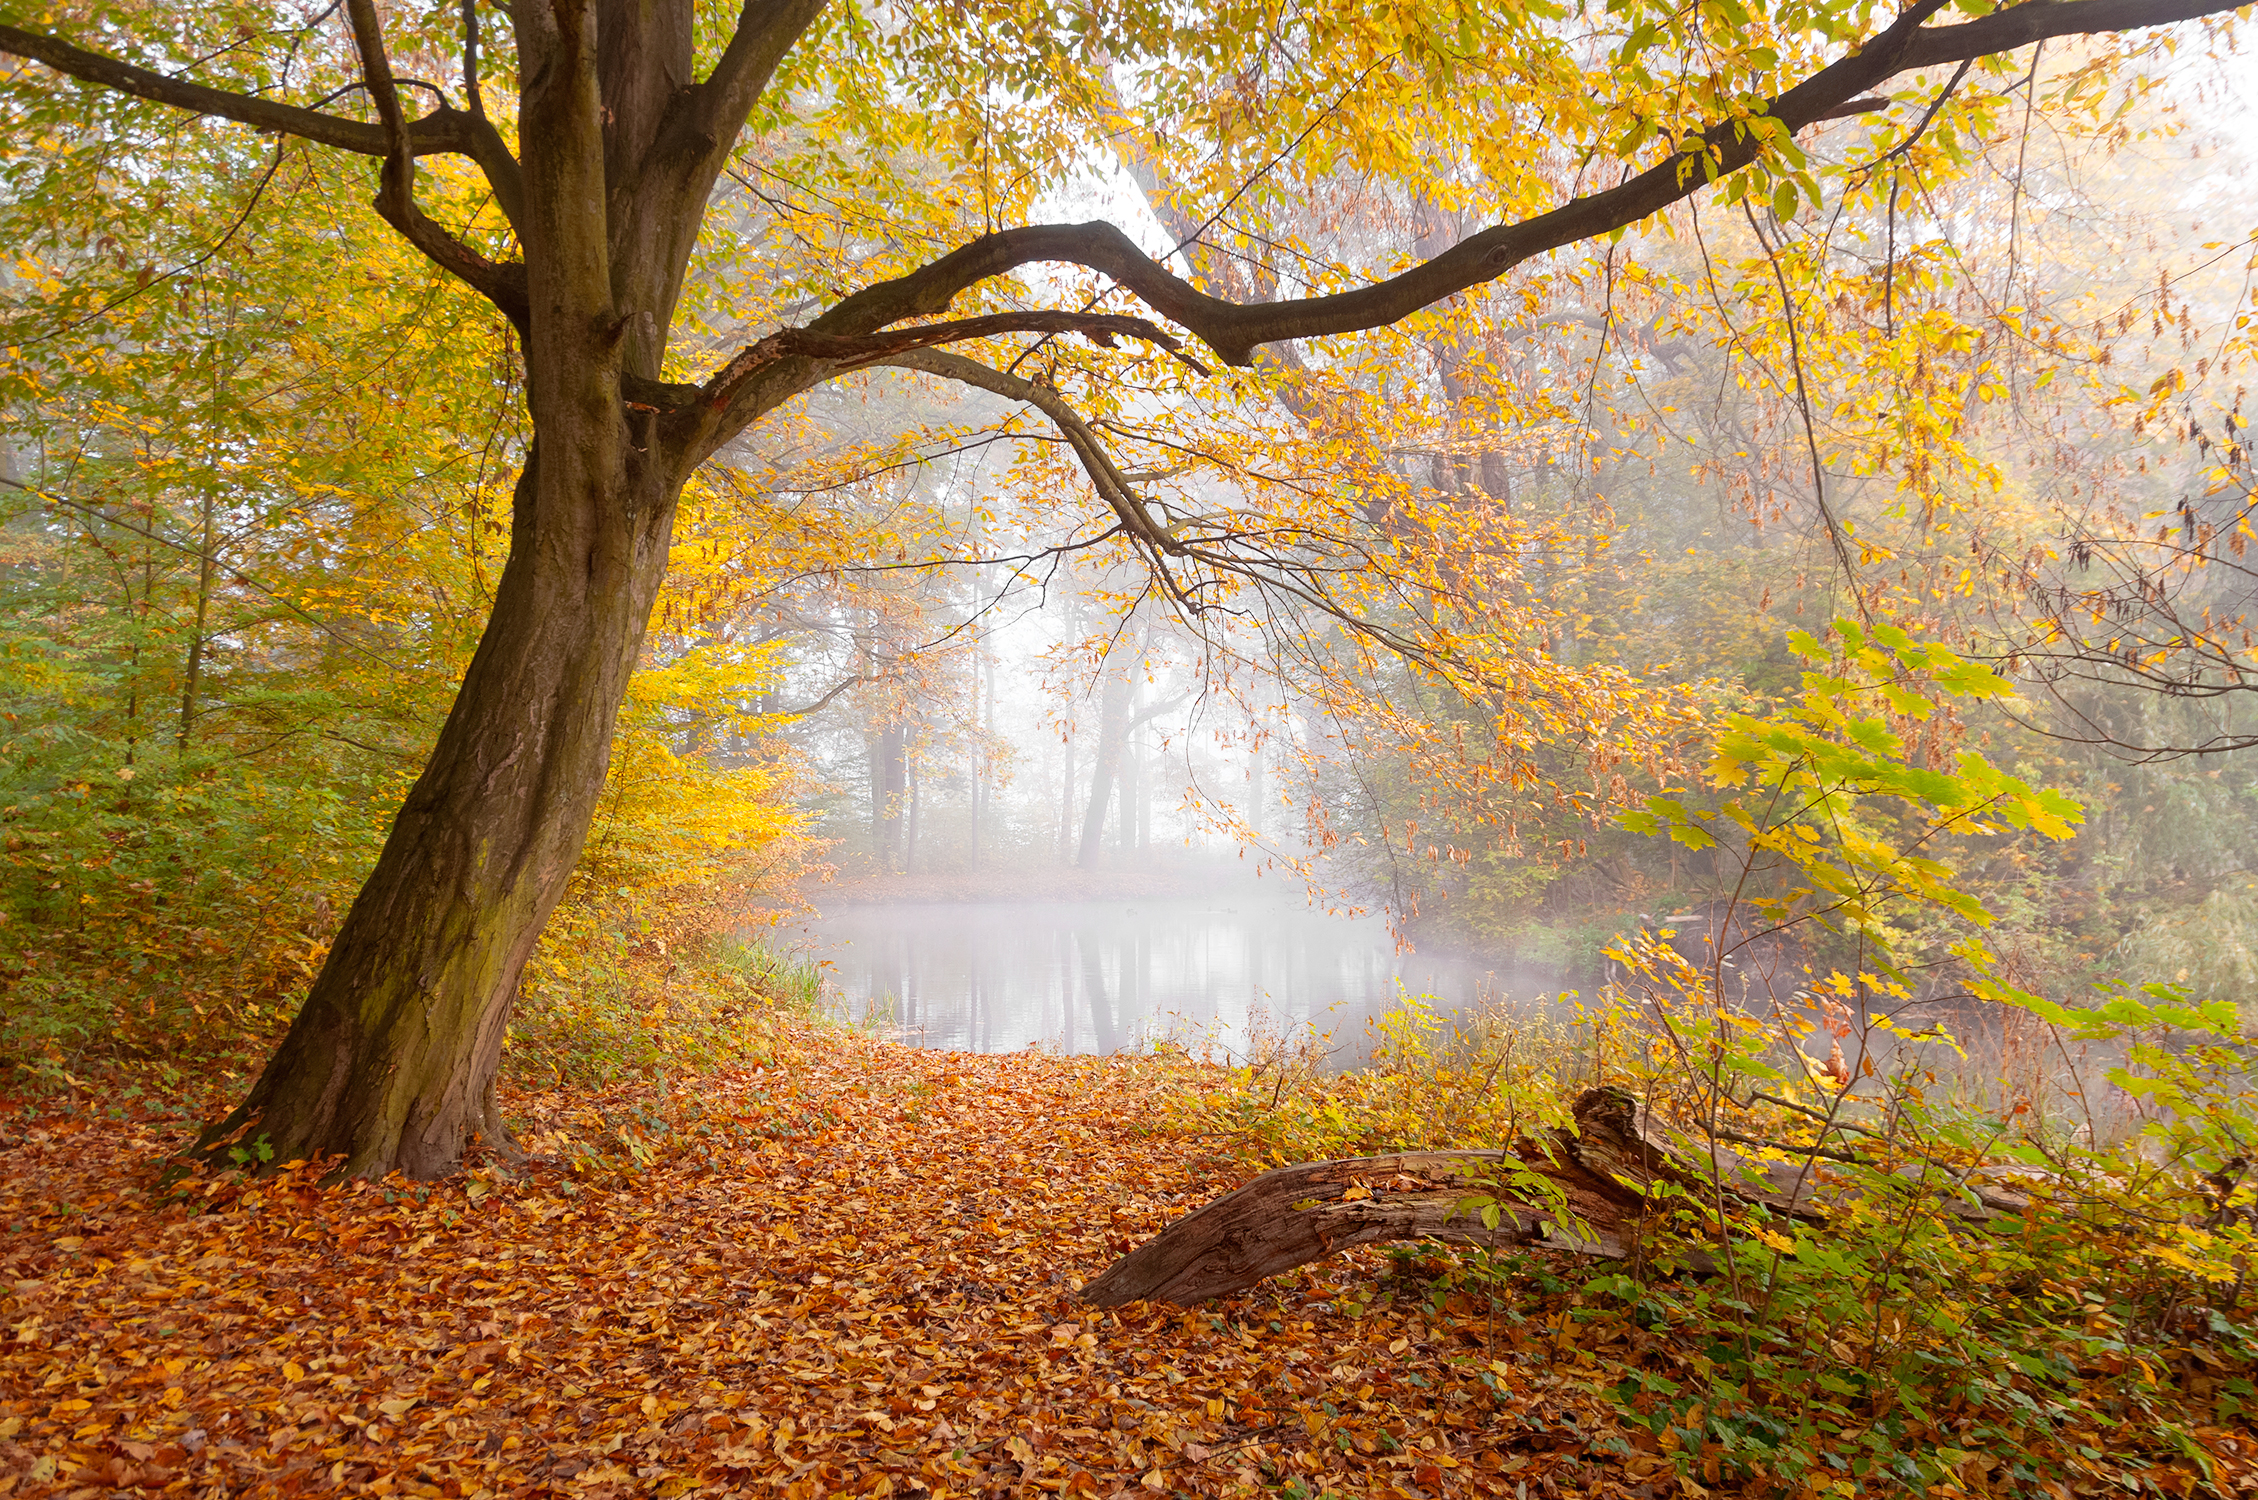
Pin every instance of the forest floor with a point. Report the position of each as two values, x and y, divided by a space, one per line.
852 1272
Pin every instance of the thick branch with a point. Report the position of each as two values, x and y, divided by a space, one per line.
715 111
1257 1232
2038 20
1234 330
445 129
848 352
1209 268
1300 1214
658 184
395 197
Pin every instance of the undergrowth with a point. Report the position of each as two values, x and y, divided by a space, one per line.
1921 1268
636 1006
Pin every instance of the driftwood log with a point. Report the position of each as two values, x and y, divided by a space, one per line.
1606 1169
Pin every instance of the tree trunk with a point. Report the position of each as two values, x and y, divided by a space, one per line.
889 789
1602 1168
916 808
1114 705
972 779
192 673
390 1063
1066 799
1125 827
1142 768
207 514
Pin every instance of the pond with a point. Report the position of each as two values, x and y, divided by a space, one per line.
1109 976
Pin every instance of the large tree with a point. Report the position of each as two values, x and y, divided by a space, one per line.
626 114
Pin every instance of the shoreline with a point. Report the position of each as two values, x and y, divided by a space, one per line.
1003 885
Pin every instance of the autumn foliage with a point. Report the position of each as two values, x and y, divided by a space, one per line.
796 1278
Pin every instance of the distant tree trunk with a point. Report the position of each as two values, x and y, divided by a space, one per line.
1144 764
192 673
983 716
1497 480
972 780
207 514
1128 833
916 804
1066 799
1114 704
889 788
140 631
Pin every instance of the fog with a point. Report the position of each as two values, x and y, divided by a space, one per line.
1120 975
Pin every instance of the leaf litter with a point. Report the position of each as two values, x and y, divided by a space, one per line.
854 1273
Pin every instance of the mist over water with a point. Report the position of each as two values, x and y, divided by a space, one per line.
1116 975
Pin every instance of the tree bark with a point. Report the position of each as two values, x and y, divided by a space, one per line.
889 792
916 812
390 1063
192 673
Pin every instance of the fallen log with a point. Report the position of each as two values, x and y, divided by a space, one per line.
1607 1174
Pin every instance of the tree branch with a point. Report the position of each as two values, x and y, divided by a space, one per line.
471 93
445 129
2037 20
1234 330
825 701
1300 583
849 352
766 29
395 194
1112 485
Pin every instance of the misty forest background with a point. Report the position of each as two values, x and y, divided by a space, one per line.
253 513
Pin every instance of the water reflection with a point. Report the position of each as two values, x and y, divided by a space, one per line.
1109 976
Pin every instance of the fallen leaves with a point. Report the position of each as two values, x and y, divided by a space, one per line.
860 1280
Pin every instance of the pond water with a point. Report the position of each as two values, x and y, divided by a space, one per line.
1109 976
